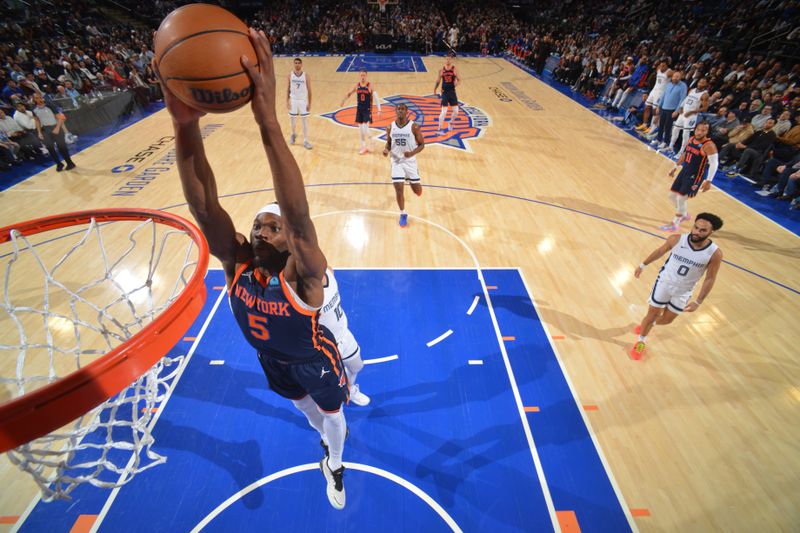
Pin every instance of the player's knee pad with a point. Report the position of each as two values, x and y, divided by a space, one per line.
305 404
354 364
337 418
682 205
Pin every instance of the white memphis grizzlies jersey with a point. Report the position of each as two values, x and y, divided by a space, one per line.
692 101
331 315
661 82
403 140
685 265
298 87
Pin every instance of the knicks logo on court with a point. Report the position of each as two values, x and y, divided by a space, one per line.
470 123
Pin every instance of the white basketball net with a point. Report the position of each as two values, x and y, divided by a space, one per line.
55 319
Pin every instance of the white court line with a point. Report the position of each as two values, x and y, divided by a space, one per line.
380 360
422 495
216 362
351 63
512 380
115 492
475 361
474 305
440 338
414 64
579 406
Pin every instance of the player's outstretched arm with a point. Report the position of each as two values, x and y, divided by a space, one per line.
348 94
708 282
668 245
286 177
198 182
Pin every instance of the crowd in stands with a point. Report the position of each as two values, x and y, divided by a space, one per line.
608 52
57 58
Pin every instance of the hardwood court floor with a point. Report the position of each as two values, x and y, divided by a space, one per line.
699 433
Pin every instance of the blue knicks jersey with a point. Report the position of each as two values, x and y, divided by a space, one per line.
364 96
274 320
448 79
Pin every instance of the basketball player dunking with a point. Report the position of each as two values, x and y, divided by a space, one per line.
298 100
274 278
691 255
365 95
449 78
404 141
700 154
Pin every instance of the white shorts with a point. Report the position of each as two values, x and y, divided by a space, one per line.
348 347
405 170
686 123
298 107
669 296
653 98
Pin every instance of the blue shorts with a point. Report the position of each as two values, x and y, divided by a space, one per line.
363 116
449 98
686 184
325 381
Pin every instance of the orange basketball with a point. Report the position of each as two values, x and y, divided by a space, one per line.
198 48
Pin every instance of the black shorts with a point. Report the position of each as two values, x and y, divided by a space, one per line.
449 98
363 116
319 378
685 184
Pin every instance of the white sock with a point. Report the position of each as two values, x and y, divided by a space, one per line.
642 338
353 365
364 133
335 429
293 122
305 128
441 117
309 408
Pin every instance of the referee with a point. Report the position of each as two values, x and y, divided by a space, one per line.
51 132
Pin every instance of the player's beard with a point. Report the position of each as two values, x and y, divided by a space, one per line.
267 257
696 238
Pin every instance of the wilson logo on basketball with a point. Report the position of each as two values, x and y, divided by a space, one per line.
470 123
225 96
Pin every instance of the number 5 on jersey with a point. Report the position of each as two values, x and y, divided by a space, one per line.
258 326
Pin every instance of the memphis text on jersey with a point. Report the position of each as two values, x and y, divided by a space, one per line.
687 261
267 308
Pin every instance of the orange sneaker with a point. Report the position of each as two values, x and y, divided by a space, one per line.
362 151
637 351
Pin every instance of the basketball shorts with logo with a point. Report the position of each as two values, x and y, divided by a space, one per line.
298 108
653 98
449 98
405 170
671 296
323 380
687 184
363 116
686 123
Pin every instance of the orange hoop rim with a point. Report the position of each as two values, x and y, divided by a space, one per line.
48 408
